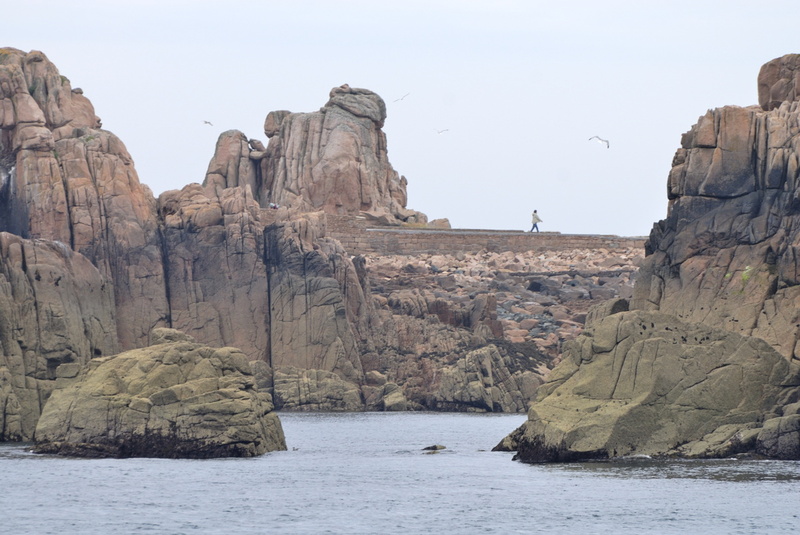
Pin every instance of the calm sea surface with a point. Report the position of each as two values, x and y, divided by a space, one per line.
367 473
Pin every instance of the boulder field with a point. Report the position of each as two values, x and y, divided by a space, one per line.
703 360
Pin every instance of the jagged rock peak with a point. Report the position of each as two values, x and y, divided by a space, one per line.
359 102
333 160
34 95
779 81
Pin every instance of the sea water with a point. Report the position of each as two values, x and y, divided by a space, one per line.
368 473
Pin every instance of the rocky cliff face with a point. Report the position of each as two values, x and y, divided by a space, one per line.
726 255
65 179
724 264
56 312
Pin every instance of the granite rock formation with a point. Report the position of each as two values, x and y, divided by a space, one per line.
63 178
725 255
779 82
481 381
645 383
333 160
56 312
214 267
722 268
176 399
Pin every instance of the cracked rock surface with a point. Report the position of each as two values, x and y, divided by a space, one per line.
722 273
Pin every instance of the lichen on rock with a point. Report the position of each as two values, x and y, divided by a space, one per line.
645 383
175 399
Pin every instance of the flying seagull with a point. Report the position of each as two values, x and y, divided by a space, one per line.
601 140
440 131
401 98
207 122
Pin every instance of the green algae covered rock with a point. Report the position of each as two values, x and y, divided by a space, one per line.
176 399
645 383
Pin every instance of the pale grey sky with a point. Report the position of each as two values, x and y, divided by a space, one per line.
520 86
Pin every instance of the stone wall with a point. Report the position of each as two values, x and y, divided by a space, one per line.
358 237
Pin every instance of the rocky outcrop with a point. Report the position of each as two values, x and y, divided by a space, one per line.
645 383
779 81
215 269
721 271
173 399
335 160
56 311
309 327
314 390
725 254
481 381
67 180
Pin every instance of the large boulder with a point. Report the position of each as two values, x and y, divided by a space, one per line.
174 399
646 383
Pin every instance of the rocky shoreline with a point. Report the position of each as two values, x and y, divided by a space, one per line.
687 347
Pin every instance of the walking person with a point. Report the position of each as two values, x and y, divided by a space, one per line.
536 220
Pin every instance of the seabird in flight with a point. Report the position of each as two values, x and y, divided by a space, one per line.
401 98
207 122
601 140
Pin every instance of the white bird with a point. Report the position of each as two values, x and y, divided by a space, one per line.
207 122
401 98
601 140
440 131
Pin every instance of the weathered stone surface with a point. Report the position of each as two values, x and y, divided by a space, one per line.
646 383
56 309
233 166
715 371
779 81
521 297
308 324
216 274
314 390
334 160
174 399
482 382
74 183
725 254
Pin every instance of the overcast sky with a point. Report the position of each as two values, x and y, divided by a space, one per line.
519 85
